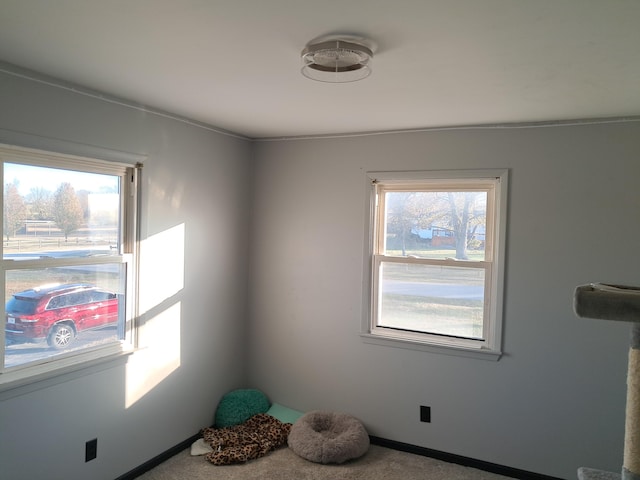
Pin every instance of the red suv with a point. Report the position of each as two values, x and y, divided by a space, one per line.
58 313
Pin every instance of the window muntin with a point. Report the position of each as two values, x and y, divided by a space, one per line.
67 221
436 262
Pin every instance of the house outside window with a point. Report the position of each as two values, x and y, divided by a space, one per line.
68 260
437 243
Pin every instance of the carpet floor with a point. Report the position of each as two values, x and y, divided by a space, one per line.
379 463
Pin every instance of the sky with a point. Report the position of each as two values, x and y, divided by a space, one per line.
29 177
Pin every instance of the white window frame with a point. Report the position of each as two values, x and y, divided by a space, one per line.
496 180
30 376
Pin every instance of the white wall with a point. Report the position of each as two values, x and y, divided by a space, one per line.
194 226
555 401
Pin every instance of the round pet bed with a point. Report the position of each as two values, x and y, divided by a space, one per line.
326 437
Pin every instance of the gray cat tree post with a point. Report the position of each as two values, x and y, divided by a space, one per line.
621 303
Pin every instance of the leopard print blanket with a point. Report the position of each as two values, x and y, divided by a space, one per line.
252 439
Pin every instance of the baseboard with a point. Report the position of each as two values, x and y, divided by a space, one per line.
157 460
383 442
460 460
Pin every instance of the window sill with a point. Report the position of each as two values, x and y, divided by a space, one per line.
443 349
20 381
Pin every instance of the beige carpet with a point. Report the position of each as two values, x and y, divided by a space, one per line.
379 463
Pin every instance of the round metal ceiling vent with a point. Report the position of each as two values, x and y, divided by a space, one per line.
336 61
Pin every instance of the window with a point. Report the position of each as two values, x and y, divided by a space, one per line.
68 260
437 254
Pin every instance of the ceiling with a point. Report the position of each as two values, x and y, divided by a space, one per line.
235 64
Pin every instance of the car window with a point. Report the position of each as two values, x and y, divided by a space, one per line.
55 302
102 296
22 306
59 301
79 298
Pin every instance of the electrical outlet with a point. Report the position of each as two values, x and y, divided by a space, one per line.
91 450
425 414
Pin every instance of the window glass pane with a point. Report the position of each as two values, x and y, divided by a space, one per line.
56 213
52 311
439 300
435 224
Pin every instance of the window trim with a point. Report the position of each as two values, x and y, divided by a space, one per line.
370 333
22 379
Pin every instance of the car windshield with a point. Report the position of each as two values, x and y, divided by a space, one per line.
24 306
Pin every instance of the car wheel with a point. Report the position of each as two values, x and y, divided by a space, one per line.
61 336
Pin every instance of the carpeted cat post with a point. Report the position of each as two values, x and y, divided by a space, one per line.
621 303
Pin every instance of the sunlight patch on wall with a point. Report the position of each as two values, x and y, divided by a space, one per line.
161 268
153 363
158 343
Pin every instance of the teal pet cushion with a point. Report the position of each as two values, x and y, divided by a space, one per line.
238 406
284 414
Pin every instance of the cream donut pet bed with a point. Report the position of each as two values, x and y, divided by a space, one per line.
326 437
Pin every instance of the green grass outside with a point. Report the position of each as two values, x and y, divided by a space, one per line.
458 317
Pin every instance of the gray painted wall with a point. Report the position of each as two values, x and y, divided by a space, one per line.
195 227
555 401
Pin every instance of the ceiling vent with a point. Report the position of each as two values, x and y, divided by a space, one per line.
336 61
